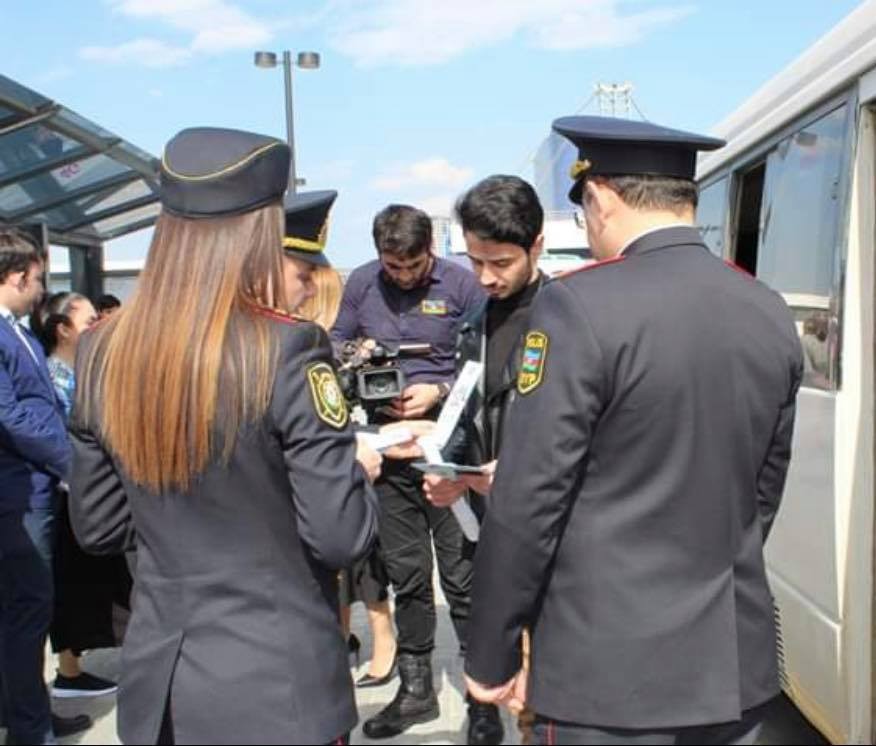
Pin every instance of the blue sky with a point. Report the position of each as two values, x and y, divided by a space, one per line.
415 99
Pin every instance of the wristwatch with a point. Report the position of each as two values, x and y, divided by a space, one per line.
443 390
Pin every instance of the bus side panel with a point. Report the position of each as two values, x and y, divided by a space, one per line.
811 643
801 559
802 546
855 441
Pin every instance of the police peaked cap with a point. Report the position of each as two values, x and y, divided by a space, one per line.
209 172
622 147
307 224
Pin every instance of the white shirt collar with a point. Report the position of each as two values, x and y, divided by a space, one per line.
652 230
18 329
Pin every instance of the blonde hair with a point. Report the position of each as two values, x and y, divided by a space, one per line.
324 305
191 331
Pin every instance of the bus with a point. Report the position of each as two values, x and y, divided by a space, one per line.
791 199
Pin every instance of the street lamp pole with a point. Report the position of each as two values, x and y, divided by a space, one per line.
290 124
306 61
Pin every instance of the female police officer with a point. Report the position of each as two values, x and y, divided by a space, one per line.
209 425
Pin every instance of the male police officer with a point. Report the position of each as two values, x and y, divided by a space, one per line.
649 446
409 295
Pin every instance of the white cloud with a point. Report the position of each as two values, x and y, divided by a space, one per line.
569 30
422 32
431 172
213 26
146 52
217 26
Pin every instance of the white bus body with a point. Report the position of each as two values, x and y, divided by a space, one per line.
792 198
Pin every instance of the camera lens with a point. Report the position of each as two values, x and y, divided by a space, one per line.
382 384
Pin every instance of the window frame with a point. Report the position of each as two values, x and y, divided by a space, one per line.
758 153
728 184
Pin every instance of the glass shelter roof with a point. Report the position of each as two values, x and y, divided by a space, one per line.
56 167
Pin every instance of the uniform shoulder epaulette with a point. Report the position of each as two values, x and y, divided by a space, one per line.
278 315
740 270
588 267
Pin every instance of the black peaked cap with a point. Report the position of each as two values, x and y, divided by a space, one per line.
307 225
208 172
622 147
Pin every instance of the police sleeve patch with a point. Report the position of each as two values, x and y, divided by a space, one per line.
327 397
532 366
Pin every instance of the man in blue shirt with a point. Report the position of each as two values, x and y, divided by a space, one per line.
408 295
34 457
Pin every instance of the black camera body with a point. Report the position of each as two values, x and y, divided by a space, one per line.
375 378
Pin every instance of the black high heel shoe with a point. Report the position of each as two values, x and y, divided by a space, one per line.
367 680
354 646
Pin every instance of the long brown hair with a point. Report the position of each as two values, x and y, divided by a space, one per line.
190 332
323 306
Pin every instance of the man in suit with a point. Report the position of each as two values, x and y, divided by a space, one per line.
34 457
649 446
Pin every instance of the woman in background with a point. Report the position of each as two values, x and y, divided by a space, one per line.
87 588
366 581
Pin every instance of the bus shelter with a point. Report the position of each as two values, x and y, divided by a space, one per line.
71 180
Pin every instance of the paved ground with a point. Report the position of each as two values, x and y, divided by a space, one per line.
449 729
785 725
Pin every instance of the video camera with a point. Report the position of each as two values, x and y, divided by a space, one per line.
372 377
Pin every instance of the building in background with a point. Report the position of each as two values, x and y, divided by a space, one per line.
565 238
119 276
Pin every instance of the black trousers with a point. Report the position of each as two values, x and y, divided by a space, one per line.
409 524
26 593
740 732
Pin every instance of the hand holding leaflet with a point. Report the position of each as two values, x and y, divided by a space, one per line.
387 439
433 444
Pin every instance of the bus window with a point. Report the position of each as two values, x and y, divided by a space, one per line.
748 218
710 215
800 233
801 208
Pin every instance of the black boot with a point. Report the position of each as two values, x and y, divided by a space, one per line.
484 723
414 702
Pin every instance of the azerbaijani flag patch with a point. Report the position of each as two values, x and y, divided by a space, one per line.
532 366
434 307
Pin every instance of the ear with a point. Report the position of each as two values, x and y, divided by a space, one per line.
18 280
537 247
601 200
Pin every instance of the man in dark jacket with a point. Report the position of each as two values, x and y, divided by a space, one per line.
34 457
648 446
502 223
